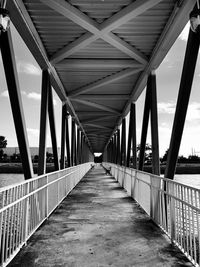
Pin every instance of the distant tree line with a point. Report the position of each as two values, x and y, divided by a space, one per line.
163 160
16 157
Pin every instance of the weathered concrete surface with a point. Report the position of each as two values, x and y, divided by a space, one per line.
98 225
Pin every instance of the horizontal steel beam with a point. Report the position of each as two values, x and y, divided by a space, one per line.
72 64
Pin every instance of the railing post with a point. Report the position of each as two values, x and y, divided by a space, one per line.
10 68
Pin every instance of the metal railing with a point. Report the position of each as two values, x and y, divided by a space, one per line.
25 206
175 207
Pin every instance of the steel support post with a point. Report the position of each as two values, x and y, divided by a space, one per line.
118 147
63 135
115 148
154 126
132 138
145 123
73 143
84 150
108 153
123 143
112 149
53 129
67 141
182 102
10 68
75 147
78 146
43 123
81 148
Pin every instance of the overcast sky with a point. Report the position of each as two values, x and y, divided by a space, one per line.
168 80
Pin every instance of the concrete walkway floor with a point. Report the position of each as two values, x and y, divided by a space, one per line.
98 225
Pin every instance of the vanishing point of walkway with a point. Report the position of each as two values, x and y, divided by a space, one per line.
98 225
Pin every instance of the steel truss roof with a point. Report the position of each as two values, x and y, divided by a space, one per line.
99 52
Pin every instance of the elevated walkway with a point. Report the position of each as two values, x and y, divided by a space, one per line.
99 225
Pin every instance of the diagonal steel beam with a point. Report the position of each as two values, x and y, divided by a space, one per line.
107 80
102 97
126 48
98 106
74 47
102 118
78 17
21 19
126 14
88 63
97 126
74 14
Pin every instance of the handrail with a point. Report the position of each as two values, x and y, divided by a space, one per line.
26 205
173 206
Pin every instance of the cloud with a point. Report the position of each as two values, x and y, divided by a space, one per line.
34 132
34 95
28 68
4 93
33 137
31 95
168 108
184 34
37 96
193 112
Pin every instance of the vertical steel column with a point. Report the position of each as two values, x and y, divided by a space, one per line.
43 123
78 146
109 152
118 147
182 102
16 102
81 148
112 149
154 126
67 141
73 143
53 129
123 143
63 135
115 148
75 147
134 142
145 125
132 138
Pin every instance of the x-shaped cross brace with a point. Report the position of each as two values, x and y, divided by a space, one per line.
103 30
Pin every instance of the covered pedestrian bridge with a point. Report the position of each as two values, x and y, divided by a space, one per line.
99 56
